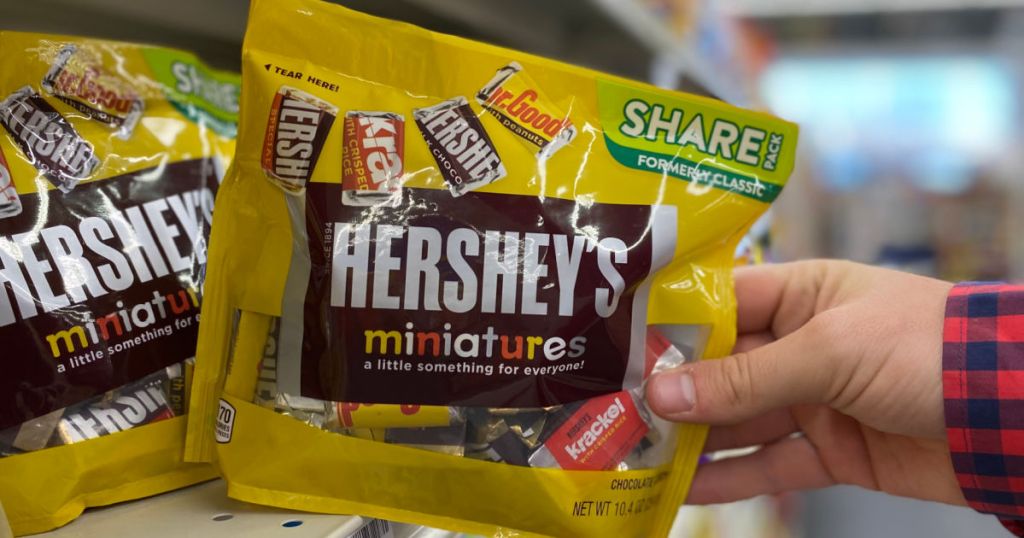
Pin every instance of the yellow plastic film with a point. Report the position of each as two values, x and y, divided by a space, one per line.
413 219
110 158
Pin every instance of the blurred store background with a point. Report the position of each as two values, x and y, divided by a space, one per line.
911 142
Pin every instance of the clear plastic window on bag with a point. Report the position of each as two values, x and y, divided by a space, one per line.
611 432
152 398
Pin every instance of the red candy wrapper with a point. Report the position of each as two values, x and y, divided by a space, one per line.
372 157
596 437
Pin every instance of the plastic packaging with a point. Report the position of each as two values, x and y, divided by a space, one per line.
442 272
110 156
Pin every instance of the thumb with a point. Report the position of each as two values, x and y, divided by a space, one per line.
792 370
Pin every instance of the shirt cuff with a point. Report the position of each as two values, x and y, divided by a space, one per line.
983 387
1015 526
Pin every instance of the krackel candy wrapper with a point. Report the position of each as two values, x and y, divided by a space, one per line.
110 157
442 272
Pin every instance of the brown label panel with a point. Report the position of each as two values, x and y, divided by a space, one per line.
482 300
106 291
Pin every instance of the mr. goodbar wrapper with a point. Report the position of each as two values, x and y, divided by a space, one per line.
451 308
110 157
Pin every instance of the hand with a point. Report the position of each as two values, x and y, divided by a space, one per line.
850 357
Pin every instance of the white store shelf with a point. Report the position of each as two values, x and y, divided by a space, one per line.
203 511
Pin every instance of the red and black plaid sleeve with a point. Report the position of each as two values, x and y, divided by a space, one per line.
983 386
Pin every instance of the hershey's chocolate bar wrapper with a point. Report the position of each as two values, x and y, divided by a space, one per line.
660 353
136 404
78 79
179 384
527 425
7 447
360 415
372 157
311 411
517 102
36 433
490 436
482 427
445 439
10 203
510 449
47 139
296 130
597 436
459 144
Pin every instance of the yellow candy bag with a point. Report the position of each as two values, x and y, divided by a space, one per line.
442 272
110 157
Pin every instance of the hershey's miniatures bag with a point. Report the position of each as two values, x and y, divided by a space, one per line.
110 156
442 272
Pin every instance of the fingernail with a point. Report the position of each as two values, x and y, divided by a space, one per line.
674 392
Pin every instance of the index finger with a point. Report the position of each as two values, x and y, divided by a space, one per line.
778 298
758 294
